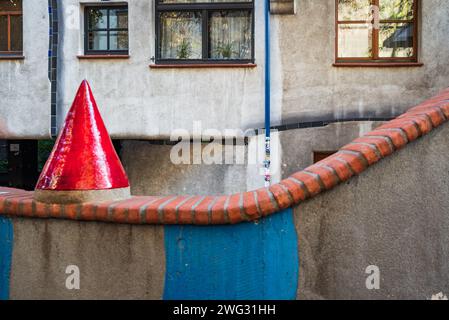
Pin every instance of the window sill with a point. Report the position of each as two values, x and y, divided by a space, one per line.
202 65
104 56
12 57
377 64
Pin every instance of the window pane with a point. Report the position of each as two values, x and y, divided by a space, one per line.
118 18
118 40
354 41
98 40
230 35
16 33
181 35
396 40
3 33
98 19
10 5
353 10
396 9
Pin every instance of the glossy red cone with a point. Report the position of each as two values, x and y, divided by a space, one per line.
83 157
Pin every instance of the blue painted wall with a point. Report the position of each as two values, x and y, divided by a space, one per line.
245 261
6 243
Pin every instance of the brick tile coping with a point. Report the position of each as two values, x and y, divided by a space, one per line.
350 160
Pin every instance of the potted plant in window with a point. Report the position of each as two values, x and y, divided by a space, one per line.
226 50
184 49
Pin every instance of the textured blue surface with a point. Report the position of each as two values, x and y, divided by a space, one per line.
245 261
6 243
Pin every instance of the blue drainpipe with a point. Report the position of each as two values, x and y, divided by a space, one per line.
267 161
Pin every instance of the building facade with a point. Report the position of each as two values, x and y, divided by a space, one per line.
338 69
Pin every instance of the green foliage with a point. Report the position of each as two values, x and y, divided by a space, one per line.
3 166
225 50
397 9
94 17
184 49
44 149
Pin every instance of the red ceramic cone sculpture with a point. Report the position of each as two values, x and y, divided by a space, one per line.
83 165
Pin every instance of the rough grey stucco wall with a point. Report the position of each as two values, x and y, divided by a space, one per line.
115 261
313 88
151 172
300 144
305 85
394 216
25 88
144 103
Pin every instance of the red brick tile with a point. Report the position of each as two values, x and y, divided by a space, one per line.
11 204
26 208
312 184
71 211
87 211
250 205
55 210
265 202
435 115
134 216
342 168
407 126
121 211
328 177
102 210
445 109
355 162
382 144
296 191
152 210
369 152
151 213
234 208
281 195
201 211
185 211
169 210
218 211
397 137
41 210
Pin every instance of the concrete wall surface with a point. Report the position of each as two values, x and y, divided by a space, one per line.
142 103
25 87
115 261
313 88
393 216
151 171
320 139
138 102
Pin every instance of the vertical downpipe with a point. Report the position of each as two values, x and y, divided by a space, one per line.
267 161
53 61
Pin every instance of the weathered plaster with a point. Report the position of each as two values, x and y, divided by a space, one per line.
314 89
394 216
25 89
309 140
142 103
115 261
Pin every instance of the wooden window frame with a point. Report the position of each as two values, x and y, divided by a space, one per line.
9 52
87 30
375 59
205 9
